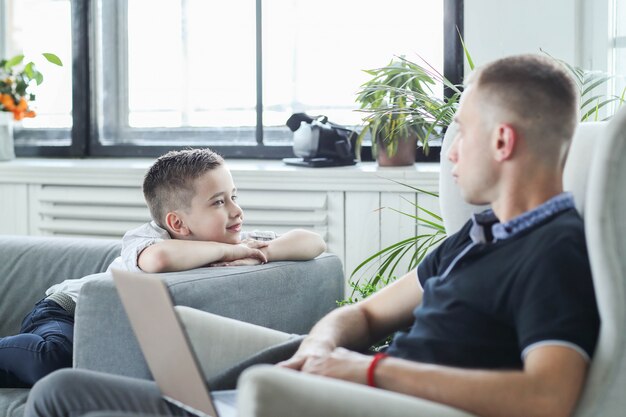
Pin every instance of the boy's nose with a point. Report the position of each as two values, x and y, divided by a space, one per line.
236 211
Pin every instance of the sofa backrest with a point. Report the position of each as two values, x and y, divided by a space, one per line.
29 265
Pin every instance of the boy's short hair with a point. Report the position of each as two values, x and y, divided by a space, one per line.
169 183
533 93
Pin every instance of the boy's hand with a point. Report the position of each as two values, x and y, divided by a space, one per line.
243 251
255 244
239 262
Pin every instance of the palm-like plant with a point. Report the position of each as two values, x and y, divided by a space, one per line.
381 268
592 100
400 102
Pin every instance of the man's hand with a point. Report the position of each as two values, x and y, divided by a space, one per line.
341 364
308 350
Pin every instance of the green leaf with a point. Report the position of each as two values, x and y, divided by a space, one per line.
466 51
38 77
52 58
28 70
598 82
16 60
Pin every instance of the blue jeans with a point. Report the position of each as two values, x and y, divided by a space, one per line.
43 345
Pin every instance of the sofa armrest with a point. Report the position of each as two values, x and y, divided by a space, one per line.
269 391
286 296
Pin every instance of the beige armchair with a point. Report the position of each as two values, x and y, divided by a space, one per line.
596 174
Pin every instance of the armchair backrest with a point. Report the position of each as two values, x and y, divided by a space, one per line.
605 228
595 172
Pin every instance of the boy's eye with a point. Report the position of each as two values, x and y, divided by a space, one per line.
234 198
218 202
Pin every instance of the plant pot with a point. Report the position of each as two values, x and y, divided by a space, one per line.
407 149
7 150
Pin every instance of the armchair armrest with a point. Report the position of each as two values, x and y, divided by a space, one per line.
285 296
269 391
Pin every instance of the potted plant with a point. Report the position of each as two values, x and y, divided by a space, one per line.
15 96
402 110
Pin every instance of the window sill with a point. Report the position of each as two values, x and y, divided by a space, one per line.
248 173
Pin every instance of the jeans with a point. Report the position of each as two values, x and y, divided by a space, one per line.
43 345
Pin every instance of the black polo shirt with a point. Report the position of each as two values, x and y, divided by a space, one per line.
503 296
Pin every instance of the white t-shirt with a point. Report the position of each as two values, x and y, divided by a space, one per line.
133 242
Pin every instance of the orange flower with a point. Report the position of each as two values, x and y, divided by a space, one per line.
7 102
22 105
30 113
18 115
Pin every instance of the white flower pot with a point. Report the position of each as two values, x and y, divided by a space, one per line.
7 150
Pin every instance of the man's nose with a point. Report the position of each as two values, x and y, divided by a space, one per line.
453 154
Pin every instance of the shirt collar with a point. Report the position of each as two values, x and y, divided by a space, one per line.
486 223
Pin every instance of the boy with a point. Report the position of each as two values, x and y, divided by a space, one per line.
196 223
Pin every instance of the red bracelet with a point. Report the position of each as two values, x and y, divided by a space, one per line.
372 368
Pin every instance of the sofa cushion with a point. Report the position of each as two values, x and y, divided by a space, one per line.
12 401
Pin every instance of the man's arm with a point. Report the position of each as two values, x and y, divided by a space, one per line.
548 386
179 255
359 326
295 245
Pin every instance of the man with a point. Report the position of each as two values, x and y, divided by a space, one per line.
502 316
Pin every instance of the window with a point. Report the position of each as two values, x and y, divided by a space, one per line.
618 50
144 76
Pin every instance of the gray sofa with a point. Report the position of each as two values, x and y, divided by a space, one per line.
287 296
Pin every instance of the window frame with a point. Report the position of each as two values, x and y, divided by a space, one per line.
85 137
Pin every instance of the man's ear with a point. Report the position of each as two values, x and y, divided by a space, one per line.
176 225
505 143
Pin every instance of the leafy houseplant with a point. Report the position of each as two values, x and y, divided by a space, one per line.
401 106
592 102
15 80
381 268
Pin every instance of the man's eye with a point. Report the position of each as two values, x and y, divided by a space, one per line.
234 198
218 202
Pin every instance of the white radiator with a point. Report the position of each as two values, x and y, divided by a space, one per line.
111 211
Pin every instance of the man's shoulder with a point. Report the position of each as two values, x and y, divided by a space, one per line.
565 225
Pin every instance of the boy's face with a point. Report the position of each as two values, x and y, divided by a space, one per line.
214 214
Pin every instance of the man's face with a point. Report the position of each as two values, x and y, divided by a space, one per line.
470 152
214 214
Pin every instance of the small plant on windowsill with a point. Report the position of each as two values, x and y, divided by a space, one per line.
16 79
401 109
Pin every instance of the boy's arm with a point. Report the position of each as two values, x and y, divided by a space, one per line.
179 255
295 245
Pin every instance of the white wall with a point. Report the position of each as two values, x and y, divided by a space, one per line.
572 30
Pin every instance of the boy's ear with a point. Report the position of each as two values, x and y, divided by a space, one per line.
176 224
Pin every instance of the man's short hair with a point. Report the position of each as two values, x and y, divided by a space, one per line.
536 95
169 183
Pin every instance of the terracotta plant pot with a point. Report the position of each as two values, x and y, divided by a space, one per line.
407 148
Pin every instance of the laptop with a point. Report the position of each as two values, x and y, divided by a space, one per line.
166 347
